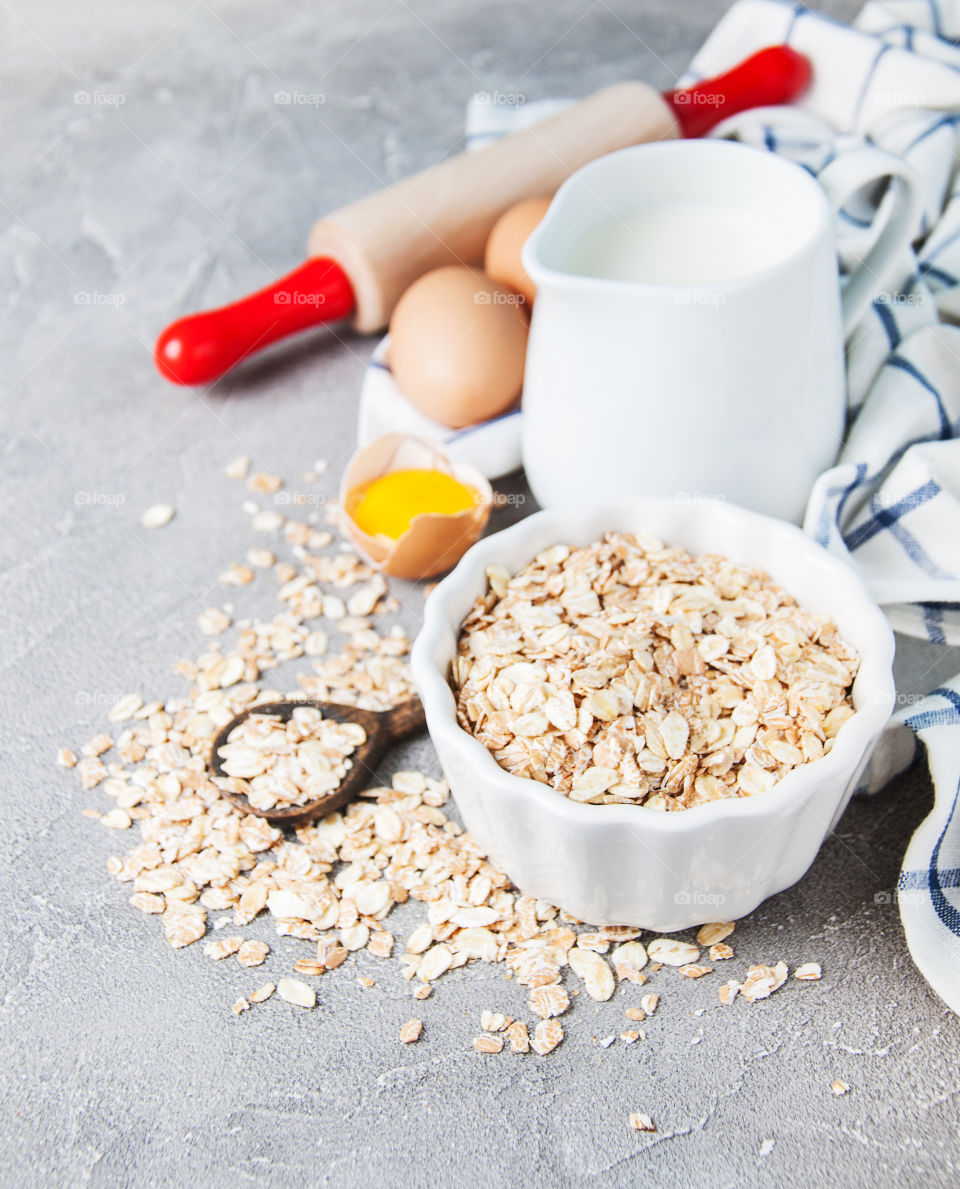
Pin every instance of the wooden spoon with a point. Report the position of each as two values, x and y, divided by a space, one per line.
383 728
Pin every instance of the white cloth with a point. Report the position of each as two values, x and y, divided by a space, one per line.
891 505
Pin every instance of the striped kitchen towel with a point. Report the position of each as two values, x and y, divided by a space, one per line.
891 504
928 890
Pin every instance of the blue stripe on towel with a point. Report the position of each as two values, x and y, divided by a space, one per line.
933 622
938 274
947 912
855 219
897 455
945 243
889 323
917 554
887 517
463 433
867 82
946 430
828 516
942 122
914 881
943 716
798 11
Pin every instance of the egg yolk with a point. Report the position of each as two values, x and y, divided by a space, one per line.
385 506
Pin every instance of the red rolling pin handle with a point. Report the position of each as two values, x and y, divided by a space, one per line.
774 75
199 348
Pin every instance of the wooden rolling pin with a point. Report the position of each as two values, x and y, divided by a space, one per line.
363 256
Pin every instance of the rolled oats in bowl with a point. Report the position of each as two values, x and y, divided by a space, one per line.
633 672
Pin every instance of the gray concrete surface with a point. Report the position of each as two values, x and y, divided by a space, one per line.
146 171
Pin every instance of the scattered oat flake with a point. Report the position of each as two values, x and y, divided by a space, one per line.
628 974
546 1036
236 575
720 952
213 621
711 934
632 1036
839 1088
157 516
124 708
240 1007
593 970
309 966
593 941
222 947
264 483
692 970
268 521
808 972
728 992
519 1037
97 745
184 926
410 1031
92 770
334 954
261 559
116 819
380 944
649 1002
547 1002
493 1021
419 940
606 1041
762 981
66 758
435 961
636 1013
423 992
641 1122
488 1044
670 952
628 960
252 953
296 992
261 994
366 982
237 468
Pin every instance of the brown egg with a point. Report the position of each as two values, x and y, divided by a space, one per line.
502 258
457 346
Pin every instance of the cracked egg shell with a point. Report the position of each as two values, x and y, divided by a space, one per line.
435 541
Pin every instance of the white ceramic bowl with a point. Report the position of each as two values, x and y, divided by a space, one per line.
623 864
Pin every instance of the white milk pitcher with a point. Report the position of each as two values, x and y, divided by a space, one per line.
688 330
